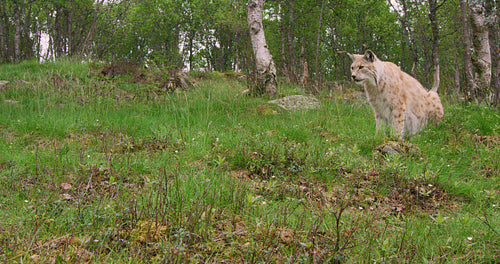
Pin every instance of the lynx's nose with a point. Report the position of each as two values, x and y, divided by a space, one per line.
355 78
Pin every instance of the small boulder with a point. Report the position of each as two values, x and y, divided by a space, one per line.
398 148
296 102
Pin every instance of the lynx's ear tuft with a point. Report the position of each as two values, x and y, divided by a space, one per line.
348 54
370 56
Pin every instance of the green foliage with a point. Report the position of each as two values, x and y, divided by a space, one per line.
201 35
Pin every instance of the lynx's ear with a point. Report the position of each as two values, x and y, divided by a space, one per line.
370 56
348 54
351 56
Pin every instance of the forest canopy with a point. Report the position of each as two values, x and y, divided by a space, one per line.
458 39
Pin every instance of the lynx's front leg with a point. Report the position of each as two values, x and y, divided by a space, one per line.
380 122
398 120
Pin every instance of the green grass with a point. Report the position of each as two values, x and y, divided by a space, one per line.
98 170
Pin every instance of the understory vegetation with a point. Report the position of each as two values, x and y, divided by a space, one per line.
130 169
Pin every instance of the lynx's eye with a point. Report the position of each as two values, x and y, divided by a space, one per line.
361 67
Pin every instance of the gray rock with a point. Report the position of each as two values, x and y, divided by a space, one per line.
399 148
296 102
389 150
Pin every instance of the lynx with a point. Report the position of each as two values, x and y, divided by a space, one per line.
398 100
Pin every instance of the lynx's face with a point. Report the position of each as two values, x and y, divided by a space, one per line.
363 68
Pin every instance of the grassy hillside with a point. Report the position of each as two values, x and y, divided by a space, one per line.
123 170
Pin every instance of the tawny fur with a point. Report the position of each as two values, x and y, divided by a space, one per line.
398 100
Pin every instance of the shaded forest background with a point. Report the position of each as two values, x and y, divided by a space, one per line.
453 44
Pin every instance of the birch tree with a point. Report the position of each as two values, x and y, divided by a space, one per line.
481 46
316 69
494 35
467 46
264 64
433 7
409 62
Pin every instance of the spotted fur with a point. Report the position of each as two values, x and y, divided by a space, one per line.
398 100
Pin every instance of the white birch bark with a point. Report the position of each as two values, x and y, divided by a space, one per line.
471 87
266 71
17 34
435 43
481 45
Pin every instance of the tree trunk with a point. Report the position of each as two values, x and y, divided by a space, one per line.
4 33
494 32
469 74
69 14
406 40
404 32
316 64
192 34
264 64
50 34
305 76
292 69
28 35
284 52
481 45
304 79
287 13
408 34
3 46
495 63
56 39
17 34
88 38
435 43
457 72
